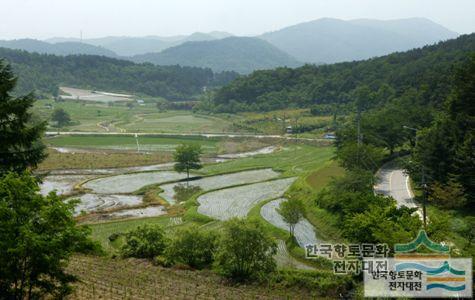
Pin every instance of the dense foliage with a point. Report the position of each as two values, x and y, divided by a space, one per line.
240 54
46 72
245 251
386 77
187 157
445 150
20 136
145 241
192 247
37 236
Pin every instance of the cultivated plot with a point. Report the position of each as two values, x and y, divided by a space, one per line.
151 211
304 231
238 201
221 181
97 202
96 96
128 183
62 184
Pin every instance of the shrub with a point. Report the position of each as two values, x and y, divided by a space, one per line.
183 192
192 247
324 283
146 241
245 251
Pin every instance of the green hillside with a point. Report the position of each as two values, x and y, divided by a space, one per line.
389 76
44 73
240 54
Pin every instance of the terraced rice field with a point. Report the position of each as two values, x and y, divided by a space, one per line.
236 202
304 231
62 184
128 183
151 211
285 260
98 202
221 181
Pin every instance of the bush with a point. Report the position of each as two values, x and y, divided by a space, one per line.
146 241
192 247
163 261
184 192
245 251
324 283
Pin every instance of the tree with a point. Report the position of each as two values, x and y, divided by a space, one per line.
20 136
292 211
61 117
445 149
38 234
193 247
364 157
187 157
145 241
245 251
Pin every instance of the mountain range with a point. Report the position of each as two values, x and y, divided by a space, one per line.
321 41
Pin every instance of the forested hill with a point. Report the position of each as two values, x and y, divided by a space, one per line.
63 48
425 68
240 54
44 73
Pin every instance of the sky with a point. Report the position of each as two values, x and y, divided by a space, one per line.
43 19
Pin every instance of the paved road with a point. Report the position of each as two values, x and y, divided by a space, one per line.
392 181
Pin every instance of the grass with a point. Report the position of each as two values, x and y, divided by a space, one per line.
291 160
273 122
105 278
141 118
97 159
121 142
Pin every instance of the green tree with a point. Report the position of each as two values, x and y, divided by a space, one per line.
193 247
61 117
187 157
292 211
37 236
364 157
245 251
445 149
20 136
145 241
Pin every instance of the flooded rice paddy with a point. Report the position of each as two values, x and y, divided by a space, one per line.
221 181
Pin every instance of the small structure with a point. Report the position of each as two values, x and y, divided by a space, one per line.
140 102
329 136
288 129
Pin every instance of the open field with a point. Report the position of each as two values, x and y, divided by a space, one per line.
219 182
96 96
128 143
146 117
290 160
105 278
101 159
233 202
118 117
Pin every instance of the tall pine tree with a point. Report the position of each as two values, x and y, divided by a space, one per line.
20 137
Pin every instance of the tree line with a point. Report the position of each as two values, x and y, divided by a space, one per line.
426 69
44 73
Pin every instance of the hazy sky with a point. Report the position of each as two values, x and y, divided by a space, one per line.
97 18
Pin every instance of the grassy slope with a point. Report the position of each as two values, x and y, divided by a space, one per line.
292 161
139 279
129 142
146 118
